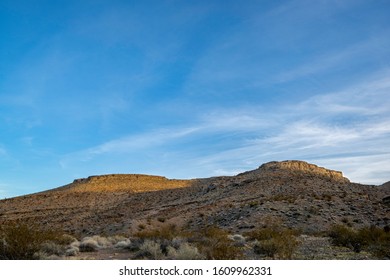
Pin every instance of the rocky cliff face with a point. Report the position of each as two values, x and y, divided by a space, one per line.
304 167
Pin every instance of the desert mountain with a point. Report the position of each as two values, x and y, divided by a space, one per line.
294 193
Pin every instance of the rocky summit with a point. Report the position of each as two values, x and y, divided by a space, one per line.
301 166
293 194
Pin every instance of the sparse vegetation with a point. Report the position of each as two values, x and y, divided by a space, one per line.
274 242
185 251
73 249
215 244
88 244
172 243
150 249
372 239
20 241
168 232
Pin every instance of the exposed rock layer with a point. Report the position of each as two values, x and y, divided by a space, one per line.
302 166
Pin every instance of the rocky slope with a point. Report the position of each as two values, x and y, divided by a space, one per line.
295 194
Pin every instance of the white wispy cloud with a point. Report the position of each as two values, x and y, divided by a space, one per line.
365 98
311 130
335 129
128 145
141 141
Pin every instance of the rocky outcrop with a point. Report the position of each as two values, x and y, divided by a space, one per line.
123 182
304 167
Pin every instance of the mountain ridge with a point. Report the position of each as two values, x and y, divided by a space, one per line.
297 166
296 194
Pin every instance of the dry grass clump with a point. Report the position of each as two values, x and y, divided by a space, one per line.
372 239
185 251
150 249
157 250
89 244
239 240
51 248
73 249
123 244
274 242
96 242
20 241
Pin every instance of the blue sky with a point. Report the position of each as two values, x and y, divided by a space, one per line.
190 89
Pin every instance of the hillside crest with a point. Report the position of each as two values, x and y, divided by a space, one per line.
123 182
302 166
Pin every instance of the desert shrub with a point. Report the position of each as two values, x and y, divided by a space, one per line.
102 241
177 242
372 234
372 239
265 247
261 234
89 244
168 232
274 242
210 243
134 245
20 241
52 248
96 242
214 243
40 255
279 247
184 252
66 239
73 249
150 249
345 237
